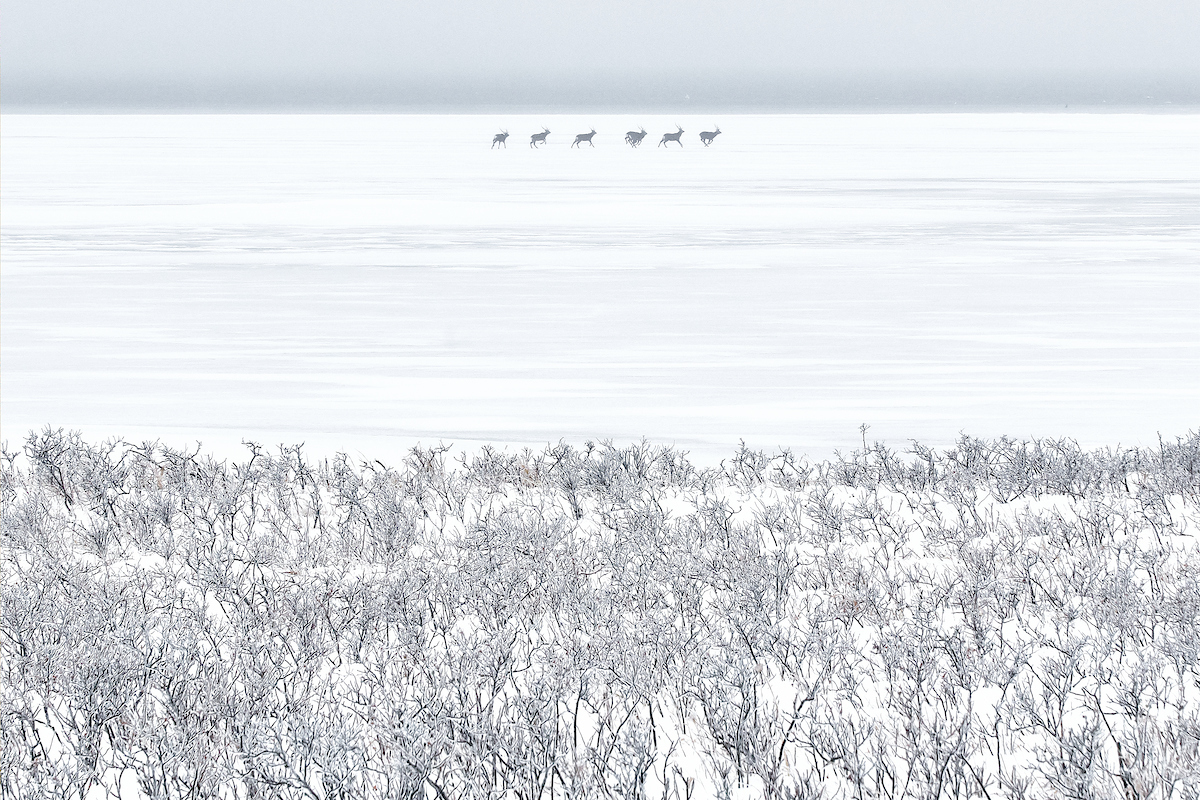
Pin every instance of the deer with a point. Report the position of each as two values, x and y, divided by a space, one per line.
672 137
584 137
708 136
635 137
539 138
500 139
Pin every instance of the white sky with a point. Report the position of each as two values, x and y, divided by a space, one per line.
449 48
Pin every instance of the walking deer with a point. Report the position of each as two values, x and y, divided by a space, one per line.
672 137
539 138
500 139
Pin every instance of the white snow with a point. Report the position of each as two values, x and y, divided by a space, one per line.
367 282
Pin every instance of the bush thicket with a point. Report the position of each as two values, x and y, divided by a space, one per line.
1003 619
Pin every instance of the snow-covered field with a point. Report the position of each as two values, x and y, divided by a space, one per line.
367 282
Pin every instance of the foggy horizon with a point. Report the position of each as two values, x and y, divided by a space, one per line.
815 94
473 55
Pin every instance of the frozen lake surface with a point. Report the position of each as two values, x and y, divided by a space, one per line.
367 282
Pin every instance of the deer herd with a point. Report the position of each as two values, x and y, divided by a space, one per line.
632 138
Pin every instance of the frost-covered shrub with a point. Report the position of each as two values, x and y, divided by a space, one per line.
1003 619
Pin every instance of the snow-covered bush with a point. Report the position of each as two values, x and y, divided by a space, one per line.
1003 619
